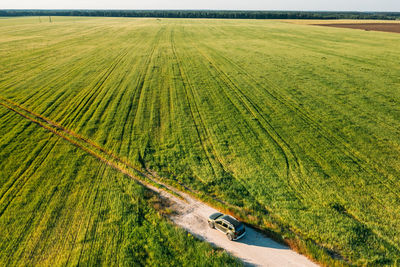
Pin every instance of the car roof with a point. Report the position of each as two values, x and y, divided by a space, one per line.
231 220
216 215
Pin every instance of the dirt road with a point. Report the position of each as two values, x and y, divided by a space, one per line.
254 249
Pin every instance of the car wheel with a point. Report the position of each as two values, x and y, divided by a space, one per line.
230 237
211 224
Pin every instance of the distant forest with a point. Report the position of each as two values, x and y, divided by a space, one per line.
206 14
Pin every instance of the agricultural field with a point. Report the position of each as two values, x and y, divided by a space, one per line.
60 206
296 128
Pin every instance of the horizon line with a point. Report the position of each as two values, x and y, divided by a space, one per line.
226 10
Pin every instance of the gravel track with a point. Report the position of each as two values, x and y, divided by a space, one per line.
254 249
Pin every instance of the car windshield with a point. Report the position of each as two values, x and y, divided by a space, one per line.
215 216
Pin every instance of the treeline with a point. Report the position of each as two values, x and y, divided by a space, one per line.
206 14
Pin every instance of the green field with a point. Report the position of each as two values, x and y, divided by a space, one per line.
297 126
60 206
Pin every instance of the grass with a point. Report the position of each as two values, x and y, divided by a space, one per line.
297 127
60 206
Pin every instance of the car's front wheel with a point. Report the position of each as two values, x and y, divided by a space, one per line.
211 224
230 236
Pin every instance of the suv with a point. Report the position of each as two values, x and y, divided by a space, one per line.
228 225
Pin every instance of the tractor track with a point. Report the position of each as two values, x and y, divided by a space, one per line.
328 135
81 142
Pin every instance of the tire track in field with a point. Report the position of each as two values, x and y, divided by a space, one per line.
286 101
206 142
142 177
325 133
88 95
45 235
42 54
47 53
92 222
100 169
14 131
42 93
31 166
38 94
239 109
87 113
192 107
293 169
28 224
114 94
17 175
135 100
88 146
309 121
92 94
328 135
6 115
202 125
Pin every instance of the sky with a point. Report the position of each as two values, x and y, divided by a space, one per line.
308 5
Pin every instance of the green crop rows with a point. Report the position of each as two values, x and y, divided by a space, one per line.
298 126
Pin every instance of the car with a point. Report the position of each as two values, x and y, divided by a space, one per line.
232 228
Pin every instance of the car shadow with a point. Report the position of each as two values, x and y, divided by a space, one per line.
248 264
254 238
257 239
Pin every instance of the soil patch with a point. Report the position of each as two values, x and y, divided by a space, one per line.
382 27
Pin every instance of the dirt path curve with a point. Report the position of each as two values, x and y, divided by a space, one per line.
254 249
191 214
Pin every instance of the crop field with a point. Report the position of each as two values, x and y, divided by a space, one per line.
295 126
60 206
